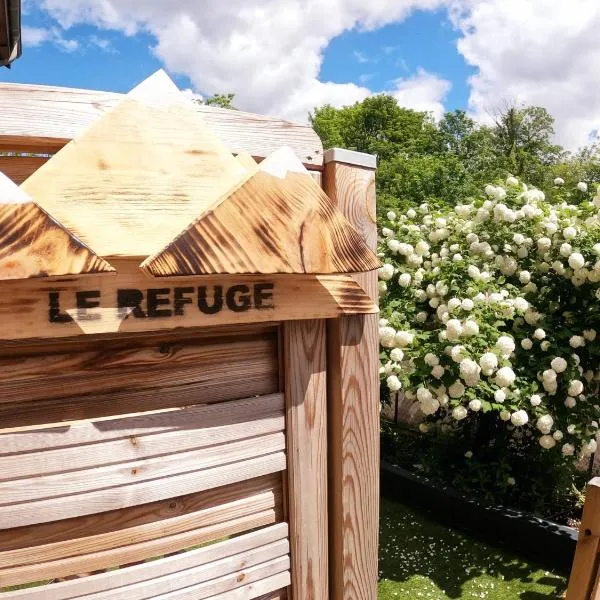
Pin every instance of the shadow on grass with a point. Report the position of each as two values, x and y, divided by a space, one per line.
421 558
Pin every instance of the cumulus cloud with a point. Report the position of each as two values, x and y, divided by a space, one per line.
423 91
542 52
268 52
35 36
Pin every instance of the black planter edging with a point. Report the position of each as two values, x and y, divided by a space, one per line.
549 544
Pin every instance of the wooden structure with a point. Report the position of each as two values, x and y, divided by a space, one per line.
188 353
584 582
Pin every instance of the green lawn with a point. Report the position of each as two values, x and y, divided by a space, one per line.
422 560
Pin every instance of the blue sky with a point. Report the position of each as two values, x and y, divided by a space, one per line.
284 57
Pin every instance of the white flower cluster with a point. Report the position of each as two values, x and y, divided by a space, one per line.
498 291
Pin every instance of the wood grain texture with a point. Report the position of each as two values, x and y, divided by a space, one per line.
19 168
43 119
586 563
238 510
24 307
33 244
213 569
139 175
353 411
276 221
306 402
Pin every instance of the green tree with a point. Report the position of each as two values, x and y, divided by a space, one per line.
221 100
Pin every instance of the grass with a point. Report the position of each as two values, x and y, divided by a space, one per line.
420 559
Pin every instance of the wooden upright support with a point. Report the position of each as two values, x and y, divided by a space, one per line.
353 399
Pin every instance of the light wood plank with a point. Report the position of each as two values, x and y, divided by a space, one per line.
247 592
125 580
38 118
277 220
105 186
24 305
306 400
33 244
353 401
86 444
585 569
52 509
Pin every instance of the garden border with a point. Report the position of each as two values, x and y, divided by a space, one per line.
545 542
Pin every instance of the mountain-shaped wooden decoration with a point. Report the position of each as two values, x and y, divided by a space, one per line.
33 244
138 175
277 220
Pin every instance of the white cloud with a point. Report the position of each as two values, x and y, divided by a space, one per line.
542 52
268 52
423 91
35 36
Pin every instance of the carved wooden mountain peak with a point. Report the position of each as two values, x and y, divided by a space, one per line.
277 220
138 175
33 244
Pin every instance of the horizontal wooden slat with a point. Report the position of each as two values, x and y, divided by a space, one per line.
251 591
74 536
104 370
52 448
213 569
19 168
63 507
43 119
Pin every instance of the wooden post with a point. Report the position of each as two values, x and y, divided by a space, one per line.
353 399
584 572
306 416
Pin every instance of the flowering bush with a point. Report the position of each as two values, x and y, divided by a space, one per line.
492 307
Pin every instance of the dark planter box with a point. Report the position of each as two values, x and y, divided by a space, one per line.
544 542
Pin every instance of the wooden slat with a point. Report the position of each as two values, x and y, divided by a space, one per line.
43 119
276 221
214 563
306 405
33 244
112 498
101 531
353 402
248 592
585 569
133 368
80 445
19 168
24 305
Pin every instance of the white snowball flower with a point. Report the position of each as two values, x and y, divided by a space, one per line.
506 345
545 345
393 383
423 427
519 418
582 186
568 449
549 375
589 334
544 424
429 406
475 405
397 355
511 481
431 359
468 454
457 353
576 341
559 181
504 415
467 304
500 396
438 371
544 244
454 329
456 390
521 304
524 277
558 435
575 388
535 400
570 402
470 327
386 232
404 279
381 287
559 364
459 413
590 448
576 260
571 429
469 371
488 363
403 339
505 377
391 215
453 304
565 250
411 214
386 336
386 272
547 442
569 233
526 344
539 334
512 181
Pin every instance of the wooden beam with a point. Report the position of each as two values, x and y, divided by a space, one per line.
42 119
132 302
306 406
33 244
19 168
278 220
353 401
